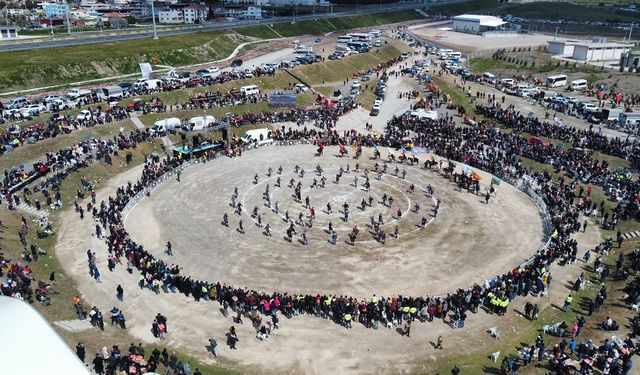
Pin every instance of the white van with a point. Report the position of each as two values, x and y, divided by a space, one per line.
344 39
257 137
578 85
105 93
344 49
442 53
489 77
377 43
200 123
153 84
302 49
454 56
250 90
161 127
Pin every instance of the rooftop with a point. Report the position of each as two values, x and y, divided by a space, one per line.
489 21
604 45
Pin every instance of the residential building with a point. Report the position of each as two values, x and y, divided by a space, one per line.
195 13
171 16
476 24
253 13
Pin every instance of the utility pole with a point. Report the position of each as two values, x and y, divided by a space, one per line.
153 20
67 16
556 34
630 31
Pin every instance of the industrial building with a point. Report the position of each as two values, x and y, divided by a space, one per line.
630 59
477 24
600 51
597 50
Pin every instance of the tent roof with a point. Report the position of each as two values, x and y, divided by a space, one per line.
33 346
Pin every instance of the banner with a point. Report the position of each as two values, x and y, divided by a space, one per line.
146 70
495 181
282 100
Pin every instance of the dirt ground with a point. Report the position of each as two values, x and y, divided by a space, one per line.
434 260
475 43
303 344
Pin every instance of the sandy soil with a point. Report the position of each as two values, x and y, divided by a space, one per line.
474 43
435 260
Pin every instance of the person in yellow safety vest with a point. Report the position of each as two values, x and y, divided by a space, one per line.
205 292
503 305
374 299
413 312
567 303
155 284
347 320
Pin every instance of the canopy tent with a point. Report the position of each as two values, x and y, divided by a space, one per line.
25 334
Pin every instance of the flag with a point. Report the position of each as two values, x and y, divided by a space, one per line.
404 150
375 147
495 181
476 176
452 164
466 169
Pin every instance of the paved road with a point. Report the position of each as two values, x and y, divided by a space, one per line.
206 27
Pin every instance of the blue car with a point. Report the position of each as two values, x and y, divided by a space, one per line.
126 87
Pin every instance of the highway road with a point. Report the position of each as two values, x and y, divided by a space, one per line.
210 26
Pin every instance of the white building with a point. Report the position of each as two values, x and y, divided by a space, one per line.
171 16
476 24
322 3
600 51
8 32
253 13
248 2
195 13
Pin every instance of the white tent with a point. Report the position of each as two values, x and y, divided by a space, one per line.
29 345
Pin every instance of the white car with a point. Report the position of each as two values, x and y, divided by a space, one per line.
61 103
301 87
33 109
378 102
84 115
356 85
214 69
50 98
140 83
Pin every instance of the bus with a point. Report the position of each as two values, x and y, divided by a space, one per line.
360 37
344 39
557 81
359 47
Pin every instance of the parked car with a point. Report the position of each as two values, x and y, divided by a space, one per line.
375 110
236 62
84 115
33 109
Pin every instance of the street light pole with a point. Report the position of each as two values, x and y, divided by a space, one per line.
67 16
153 20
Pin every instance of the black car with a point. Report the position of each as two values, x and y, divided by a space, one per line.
236 62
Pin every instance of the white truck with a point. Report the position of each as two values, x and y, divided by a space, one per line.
199 123
257 137
110 92
78 93
161 127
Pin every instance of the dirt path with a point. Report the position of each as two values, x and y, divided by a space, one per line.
302 345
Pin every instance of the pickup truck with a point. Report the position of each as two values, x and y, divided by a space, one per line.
78 93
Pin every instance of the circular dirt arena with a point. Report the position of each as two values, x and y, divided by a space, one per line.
468 241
